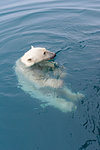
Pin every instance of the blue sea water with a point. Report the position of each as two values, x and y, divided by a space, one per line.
72 28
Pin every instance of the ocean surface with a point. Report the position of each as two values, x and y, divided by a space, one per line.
71 28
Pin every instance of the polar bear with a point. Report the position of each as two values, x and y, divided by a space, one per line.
43 79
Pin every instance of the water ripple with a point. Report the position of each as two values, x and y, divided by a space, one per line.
72 30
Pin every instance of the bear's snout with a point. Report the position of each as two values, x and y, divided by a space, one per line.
53 55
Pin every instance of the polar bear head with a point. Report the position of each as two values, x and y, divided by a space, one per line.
36 55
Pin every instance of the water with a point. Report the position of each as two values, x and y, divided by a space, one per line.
73 29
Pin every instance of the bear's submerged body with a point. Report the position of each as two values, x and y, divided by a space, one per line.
44 81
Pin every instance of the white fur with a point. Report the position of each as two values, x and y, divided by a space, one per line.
36 55
44 80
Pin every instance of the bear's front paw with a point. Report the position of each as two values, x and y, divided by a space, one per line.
55 83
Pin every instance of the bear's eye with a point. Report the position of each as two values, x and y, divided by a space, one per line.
29 59
44 53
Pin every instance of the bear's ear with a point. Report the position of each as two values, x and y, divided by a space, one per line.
30 61
32 47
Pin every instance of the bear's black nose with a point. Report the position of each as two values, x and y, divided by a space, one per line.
54 54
